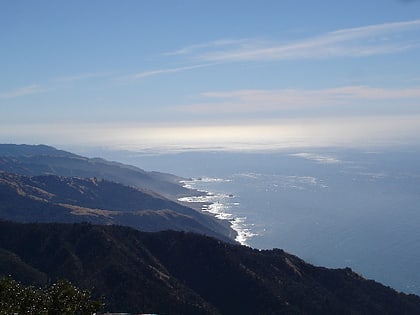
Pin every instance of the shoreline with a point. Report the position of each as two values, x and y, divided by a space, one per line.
212 203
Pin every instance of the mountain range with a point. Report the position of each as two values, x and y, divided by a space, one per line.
117 230
33 160
35 186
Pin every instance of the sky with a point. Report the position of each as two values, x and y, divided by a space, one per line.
188 75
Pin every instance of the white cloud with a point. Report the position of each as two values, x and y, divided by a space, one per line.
50 85
23 91
81 76
217 43
243 101
150 73
352 42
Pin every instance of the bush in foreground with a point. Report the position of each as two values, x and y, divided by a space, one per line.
60 298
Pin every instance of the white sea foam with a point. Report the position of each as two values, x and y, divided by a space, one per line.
220 205
304 180
213 180
318 158
244 234
274 182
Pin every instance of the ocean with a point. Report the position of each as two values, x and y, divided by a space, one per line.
331 207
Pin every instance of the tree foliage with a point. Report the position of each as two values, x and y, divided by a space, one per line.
61 298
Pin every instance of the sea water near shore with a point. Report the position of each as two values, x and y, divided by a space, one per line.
335 208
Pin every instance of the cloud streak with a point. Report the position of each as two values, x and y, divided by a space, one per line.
213 44
155 72
50 85
81 76
23 91
248 101
351 42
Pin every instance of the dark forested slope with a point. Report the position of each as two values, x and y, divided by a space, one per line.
185 273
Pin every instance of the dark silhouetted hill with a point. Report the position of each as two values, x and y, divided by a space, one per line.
185 273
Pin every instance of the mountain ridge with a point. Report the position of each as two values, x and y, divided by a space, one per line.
185 273
33 160
50 198
61 186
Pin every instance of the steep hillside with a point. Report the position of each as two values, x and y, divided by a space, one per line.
185 273
69 199
33 160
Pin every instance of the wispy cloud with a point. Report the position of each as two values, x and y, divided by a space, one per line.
351 42
81 76
150 73
50 85
243 101
213 44
23 91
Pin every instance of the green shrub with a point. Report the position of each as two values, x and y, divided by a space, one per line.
61 298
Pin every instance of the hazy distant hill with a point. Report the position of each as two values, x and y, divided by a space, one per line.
35 160
184 273
51 198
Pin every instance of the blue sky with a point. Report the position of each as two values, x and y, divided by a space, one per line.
210 74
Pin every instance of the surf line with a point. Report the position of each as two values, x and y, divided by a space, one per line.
218 205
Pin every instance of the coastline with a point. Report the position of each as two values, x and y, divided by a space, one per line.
217 204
